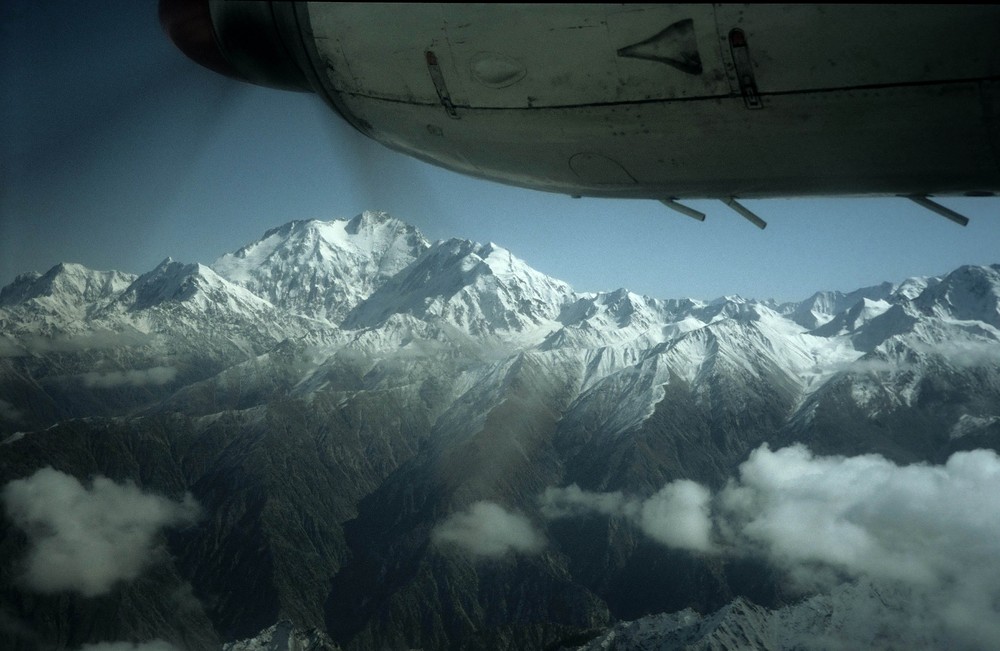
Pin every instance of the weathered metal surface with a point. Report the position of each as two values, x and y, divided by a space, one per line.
651 100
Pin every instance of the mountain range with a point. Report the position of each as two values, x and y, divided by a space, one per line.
344 435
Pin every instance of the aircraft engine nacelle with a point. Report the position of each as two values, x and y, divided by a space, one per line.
645 101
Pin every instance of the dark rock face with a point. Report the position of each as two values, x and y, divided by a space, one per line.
326 455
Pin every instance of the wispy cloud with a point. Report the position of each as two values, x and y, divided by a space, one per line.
92 340
27 344
85 539
487 529
156 375
966 354
678 515
573 500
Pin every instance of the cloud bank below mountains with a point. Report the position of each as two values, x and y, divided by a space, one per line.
933 529
87 538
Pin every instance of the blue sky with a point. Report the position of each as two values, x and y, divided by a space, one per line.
118 152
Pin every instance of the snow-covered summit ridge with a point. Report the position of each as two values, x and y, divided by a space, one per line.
858 615
67 292
970 293
372 288
68 280
820 308
373 272
284 636
324 269
196 284
482 289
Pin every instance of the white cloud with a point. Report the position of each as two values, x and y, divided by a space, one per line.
865 514
678 515
487 529
933 528
85 539
155 375
152 645
932 531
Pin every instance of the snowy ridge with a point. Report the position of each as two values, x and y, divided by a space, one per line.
324 269
860 615
822 307
481 289
618 317
374 286
194 285
853 318
66 293
284 636
967 294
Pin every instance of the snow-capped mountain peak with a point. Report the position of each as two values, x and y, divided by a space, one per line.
480 289
67 279
968 293
822 307
853 318
176 282
284 636
67 291
323 269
